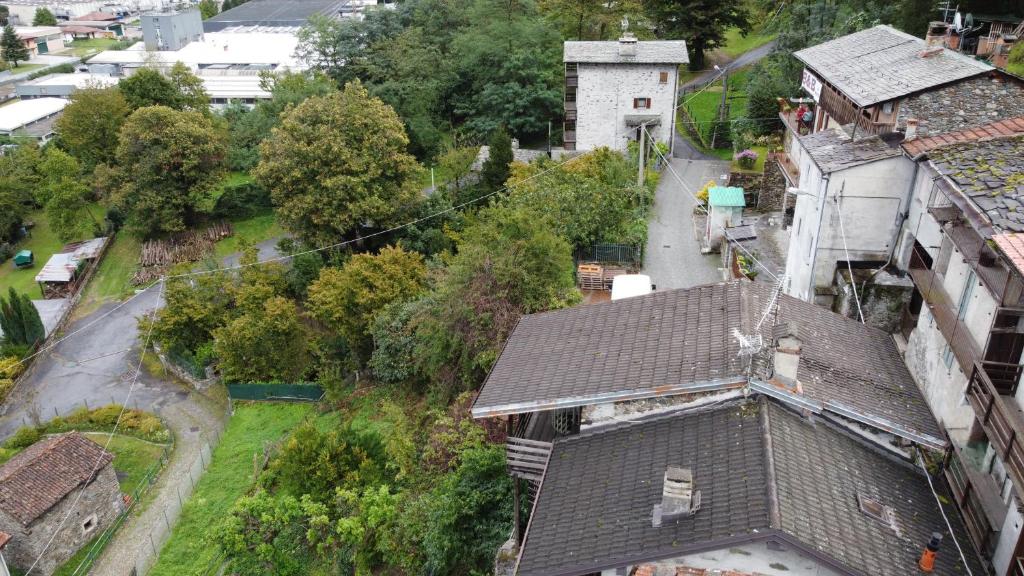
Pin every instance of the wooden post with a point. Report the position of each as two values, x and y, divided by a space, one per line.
515 511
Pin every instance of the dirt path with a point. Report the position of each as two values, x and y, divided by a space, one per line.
195 420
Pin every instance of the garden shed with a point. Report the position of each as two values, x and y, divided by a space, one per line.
24 259
725 209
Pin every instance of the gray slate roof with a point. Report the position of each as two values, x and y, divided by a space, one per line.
991 174
594 507
647 52
882 63
972 103
833 150
679 341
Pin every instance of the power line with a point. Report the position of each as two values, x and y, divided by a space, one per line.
849 265
938 502
110 437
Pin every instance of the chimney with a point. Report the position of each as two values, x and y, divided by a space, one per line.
787 355
627 45
678 498
927 562
911 132
936 35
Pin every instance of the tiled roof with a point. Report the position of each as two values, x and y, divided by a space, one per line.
607 52
1001 129
882 63
594 507
971 103
44 473
679 341
1012 245
989 173
833 150
4 539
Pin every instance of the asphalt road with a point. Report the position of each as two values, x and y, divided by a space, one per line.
673 258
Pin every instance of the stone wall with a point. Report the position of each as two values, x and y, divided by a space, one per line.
761 191
882 298
100 504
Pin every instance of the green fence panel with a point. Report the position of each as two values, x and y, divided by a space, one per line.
306 392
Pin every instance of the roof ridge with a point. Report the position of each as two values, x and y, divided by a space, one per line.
774 512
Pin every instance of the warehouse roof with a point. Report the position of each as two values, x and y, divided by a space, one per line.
270 49
44 473
24 112
882 63
609 52
698 339
764 473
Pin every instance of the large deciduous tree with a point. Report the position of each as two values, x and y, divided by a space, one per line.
702 23
90 124
589 20
148 87
265 343
348 298
208 8
12 48
68 211
171 162
191 92
337 165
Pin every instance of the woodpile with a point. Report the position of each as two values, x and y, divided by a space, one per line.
191 246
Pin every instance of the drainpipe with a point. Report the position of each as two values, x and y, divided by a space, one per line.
821 216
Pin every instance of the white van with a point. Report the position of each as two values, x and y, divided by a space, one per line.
629 285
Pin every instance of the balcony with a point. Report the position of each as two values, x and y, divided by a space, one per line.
1001 418
788 167
982 259
943 309
792 123
572 81
977 496
570 106
844 112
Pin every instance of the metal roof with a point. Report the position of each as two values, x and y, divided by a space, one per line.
764 473
59 268
691 340
882 63
23 112
608 52
726 196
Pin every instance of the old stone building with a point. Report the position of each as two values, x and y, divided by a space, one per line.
39 488
612 88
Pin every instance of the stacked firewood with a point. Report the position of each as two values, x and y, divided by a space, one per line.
191 246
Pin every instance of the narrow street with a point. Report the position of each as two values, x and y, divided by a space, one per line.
672 258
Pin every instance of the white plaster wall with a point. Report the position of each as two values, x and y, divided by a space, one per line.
802 233
920 225
982 305
747 558
1008 536
605 96
943 387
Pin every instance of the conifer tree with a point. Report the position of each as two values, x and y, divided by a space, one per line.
11 47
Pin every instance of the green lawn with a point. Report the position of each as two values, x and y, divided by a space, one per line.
1017 69
253 229
703 106
43 243
26 68
112 280
89 46
228 477
736 43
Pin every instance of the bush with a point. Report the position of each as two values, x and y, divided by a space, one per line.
746 159
133 423
60 69
23 438
6 252
240 200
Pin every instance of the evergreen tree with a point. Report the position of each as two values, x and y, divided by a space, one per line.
44 17
11 47
32 323
5 14
496 169
13 325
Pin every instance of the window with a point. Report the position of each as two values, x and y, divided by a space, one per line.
877 510
947 357
641 103
663 77
89 524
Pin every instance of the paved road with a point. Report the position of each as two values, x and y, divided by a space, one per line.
673 258
266 250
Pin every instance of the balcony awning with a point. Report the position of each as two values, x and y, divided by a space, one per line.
638 119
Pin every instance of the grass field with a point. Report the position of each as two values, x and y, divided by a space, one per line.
762 154
43 243
22 68
89 46
228 477
253 229
736 43
703 106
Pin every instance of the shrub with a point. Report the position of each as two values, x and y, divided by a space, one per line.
705 192
240 200
133 423
746 159
23 438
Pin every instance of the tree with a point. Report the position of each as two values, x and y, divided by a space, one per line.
348 298
191 92
589 20
317 462
68 211
193 309
44 17
90 123
457 162
55 167
148 87
510 262
208 8
20 320
172 162
12 48
700 22
495 170
5 14
263 345
336 165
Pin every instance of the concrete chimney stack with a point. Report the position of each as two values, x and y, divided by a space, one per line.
788 345
936 35
911 132
627 45
678 498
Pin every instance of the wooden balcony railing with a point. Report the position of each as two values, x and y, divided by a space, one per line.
1001 418
968 496
929 284
789 168
982 259
844 112
1017 568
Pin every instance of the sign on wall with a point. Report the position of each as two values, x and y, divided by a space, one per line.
811 84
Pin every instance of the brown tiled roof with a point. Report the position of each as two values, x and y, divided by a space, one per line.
1012 245
764 472
44 473
921 146
4 538
681 341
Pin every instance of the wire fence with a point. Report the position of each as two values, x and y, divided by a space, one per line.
628 254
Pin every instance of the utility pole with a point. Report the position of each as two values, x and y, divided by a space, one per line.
641 155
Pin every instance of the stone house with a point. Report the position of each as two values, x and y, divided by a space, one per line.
614 88
64 476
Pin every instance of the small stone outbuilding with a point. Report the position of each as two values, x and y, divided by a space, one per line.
39 488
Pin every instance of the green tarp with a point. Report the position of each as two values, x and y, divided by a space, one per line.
23 258
306 392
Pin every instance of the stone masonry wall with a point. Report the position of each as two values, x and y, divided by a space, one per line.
102 498
761 191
